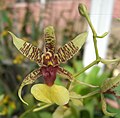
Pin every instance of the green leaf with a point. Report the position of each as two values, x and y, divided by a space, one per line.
92 76
45 115
78 65
84 114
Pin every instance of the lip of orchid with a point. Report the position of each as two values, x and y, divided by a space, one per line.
49 74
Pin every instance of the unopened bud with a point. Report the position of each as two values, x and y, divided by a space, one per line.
82 9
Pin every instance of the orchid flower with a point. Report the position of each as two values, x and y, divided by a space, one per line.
49 62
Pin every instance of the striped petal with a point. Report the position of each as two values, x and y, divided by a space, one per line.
29 80
110 83
64 73
54 94
27 49
49 39
70 49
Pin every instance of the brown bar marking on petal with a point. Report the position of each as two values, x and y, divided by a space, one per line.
49 43
73 47
61 55
31 52
110 84
65 73
22 49
29 79
35 54
26 48
66 52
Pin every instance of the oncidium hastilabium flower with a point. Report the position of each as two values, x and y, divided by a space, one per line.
49 62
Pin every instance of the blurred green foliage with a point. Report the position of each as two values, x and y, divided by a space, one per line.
13 66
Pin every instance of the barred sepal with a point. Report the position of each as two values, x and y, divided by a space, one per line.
110 83
27 49
71 48
64 73
30 78
49 39
104 107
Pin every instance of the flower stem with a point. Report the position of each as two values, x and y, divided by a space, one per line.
85 68
83 11
42 107
94 34
88 95
86 84
34 109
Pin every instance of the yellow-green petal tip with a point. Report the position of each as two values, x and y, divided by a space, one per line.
19 94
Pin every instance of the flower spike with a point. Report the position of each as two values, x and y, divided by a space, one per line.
71 48
27 49
29 80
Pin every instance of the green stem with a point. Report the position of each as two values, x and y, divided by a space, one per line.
42 107
87 67
86 84
94 34
90 24
88 95
26 112
34 108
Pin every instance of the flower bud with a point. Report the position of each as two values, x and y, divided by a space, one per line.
82 9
